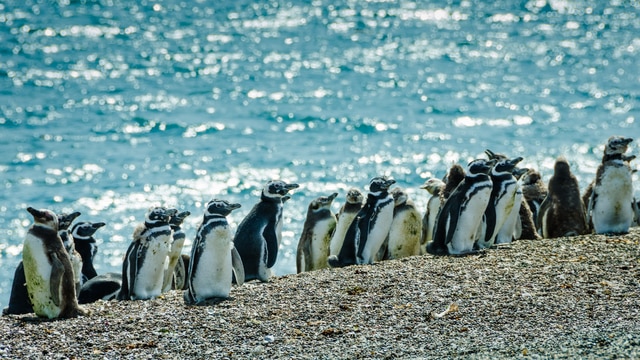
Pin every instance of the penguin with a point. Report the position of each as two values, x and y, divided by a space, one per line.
19 302
347 213
101 287
213 257
180 273
609 205
259 234
534 190
178 237
562 212
313 246
147 256
434 187
636 209
406 227
461 214
48 270
64 222
370 227
85 244
501 203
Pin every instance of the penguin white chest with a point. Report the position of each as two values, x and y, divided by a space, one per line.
151 272
340 232
612 210
469 220
320 240
37 271
213 275
379 230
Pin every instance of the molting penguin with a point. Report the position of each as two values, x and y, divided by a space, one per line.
48 270
85 244
370 228
562 212
433 186
461 214
501 203
147 256
175 251
534 190
214 259
454 177
347 213
610 203
258 236
313 246
406 228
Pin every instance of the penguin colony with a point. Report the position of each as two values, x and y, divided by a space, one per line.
488 203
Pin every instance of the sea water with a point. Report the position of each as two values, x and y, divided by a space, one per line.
108 107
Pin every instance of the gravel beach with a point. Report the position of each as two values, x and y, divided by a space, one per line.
573 297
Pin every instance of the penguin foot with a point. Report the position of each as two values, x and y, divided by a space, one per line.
438 251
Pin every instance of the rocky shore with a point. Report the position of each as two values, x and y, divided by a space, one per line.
573 297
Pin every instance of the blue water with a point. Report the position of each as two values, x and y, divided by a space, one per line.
109 107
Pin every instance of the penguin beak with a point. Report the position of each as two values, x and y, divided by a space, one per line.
515 161
234 206
291 186
389 182
490 154
98 225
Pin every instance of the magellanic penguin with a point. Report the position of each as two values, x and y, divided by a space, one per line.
177 243
313 246
259 234
370 227
86 246
48 270
562 212
102 287
433 186
461 214
147 256
406 227
19 302
64 222
501 202
534 190
609 205
214 260
347 213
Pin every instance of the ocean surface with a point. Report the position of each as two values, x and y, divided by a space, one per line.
109 107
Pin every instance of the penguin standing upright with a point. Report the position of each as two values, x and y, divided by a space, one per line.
147 256
406 227
214 259
609 205
347 213
501 203
64 222
313 246
178 237
562 212
48 270
534 190
370 228
259 234
461 214
433 186
86 246
454 177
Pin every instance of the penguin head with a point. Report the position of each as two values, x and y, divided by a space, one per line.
178 218
561 167
322 202
277 189
85 230
432 185
158 216
44 217
220 207
617 145
494 156
399 196
354 196
380 183
65 220
531 177
480 166
506 165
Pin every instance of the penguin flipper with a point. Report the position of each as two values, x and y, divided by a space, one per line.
271 240
237 266
55 280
